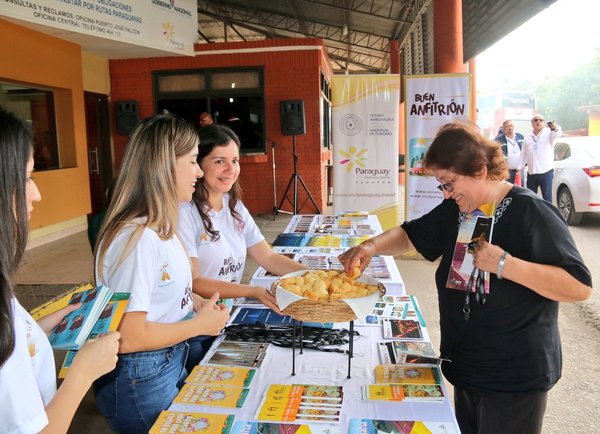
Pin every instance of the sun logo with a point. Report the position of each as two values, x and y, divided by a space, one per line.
352 158
168 30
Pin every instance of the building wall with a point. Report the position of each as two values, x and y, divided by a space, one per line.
40 60
292 70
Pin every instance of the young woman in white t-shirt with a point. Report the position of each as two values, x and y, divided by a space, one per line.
139 252
218 230
29 400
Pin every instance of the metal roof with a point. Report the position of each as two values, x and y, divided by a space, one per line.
356 33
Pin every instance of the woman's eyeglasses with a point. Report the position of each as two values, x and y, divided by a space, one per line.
448 186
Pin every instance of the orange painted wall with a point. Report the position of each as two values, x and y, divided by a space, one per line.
288 74
40 60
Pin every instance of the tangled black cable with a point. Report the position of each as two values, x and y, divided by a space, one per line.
313 338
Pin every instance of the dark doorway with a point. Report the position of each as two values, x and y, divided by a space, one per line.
99 150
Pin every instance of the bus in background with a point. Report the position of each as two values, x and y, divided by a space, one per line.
493 109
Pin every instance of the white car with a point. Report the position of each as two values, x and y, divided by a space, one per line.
576 183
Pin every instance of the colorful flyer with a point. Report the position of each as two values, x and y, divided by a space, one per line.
217 396
374 426
221 375
402 374
171 422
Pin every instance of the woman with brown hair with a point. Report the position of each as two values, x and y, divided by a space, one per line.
505 353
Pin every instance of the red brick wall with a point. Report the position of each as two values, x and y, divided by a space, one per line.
288 74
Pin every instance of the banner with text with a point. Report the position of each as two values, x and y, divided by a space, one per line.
168 25
430 102
365 119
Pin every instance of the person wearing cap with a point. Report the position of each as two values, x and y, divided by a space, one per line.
538 155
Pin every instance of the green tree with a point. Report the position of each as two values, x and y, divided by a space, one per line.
560 97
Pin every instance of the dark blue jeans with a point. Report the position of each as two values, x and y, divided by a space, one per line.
199 345
543 181
142 385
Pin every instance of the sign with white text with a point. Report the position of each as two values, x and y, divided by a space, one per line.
168 25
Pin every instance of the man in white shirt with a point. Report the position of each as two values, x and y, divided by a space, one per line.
538 154
512 143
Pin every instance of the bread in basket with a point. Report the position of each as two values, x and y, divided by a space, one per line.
335 298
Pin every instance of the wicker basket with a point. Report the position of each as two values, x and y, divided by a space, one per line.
322 310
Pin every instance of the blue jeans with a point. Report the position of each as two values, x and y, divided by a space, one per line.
199 345
543 181
142 385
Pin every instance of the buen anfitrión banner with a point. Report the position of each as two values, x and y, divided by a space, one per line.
430 102
365 145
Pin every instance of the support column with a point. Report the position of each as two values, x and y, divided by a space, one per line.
473 71
447 36
395 68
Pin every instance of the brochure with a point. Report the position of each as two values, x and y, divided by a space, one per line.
218 396
94 313
170 422
473 227
374 426
248 427
401 329
221 375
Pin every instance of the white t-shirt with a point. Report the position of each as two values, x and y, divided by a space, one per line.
224 258
157 273
27 378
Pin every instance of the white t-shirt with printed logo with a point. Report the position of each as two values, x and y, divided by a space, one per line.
27 378
156 272
224 258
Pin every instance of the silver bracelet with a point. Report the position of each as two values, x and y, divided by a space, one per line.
501 264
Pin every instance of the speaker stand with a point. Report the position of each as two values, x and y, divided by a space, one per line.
294 180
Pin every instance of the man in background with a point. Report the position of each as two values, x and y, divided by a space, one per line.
538 154
205 119
512 143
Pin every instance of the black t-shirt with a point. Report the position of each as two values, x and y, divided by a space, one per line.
511 343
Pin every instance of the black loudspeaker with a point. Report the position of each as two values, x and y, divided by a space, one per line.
127 116
292 117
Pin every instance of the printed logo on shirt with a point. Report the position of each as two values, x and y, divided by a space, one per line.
203 239
230 267
165 278
188 300
30 341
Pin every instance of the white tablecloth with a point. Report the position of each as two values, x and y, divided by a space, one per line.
315 367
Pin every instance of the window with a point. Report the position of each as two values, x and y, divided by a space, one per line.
36 107
233 96
325 112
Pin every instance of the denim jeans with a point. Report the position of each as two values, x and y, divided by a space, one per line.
142 385
543 181
199 345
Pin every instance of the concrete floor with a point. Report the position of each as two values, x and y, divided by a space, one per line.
573 405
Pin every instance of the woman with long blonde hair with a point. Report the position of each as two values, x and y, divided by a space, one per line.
139 252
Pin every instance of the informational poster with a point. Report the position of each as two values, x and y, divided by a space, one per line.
169 25
430 102
365 121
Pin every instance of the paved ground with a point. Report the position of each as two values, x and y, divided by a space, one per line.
574 404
